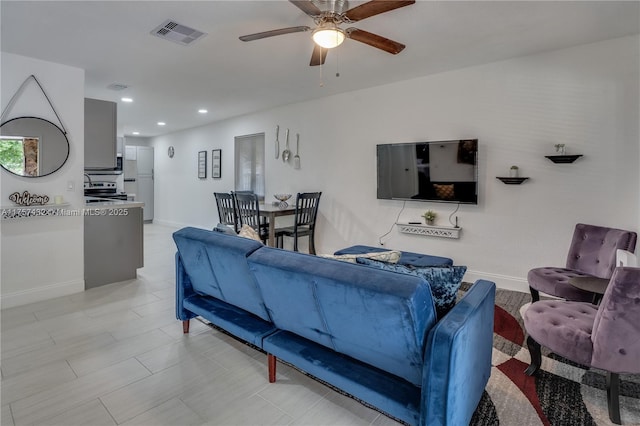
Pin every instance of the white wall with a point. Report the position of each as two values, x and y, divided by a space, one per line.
585 97
43 258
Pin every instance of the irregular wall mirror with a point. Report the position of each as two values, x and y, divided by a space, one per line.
32 147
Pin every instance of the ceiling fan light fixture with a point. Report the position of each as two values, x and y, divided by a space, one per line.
328 36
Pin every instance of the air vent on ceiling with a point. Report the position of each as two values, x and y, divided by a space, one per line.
117 86
177 33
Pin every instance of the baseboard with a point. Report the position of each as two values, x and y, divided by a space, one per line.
505 282
42 293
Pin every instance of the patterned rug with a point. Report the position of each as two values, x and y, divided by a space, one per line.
562 393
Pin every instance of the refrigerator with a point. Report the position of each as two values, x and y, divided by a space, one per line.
138 177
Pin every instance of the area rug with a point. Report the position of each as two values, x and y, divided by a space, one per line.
562 393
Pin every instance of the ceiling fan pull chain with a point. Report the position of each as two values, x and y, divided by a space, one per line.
337 62
321 66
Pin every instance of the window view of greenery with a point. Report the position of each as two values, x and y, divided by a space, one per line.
12 155
20 155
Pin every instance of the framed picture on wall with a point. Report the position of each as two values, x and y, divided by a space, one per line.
202 164
216 163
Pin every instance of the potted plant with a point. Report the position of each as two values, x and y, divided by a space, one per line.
513 171
430 216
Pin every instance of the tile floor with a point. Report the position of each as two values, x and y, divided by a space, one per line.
116 355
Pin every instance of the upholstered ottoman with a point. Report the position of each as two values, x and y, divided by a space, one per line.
407 258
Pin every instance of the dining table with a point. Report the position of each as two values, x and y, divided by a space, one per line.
270 211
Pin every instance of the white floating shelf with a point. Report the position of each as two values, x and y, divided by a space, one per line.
430 230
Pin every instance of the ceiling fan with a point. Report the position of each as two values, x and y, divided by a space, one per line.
328 15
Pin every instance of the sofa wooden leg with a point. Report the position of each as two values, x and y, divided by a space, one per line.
271 362
613 397
185 326
536 356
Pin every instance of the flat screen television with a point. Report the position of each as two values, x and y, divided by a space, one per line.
441 171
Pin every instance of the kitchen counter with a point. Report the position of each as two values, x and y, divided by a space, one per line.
113 241
106 203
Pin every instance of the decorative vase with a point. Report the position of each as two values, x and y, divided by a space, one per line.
513 172
429 221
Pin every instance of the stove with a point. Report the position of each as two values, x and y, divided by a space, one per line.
103 190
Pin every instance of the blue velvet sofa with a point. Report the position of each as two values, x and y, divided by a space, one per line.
369 332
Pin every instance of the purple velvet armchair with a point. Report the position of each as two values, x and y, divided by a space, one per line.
592 254
605 336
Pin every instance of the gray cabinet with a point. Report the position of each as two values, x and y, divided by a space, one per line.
113 245
100 123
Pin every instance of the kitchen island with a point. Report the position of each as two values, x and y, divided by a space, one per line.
113 241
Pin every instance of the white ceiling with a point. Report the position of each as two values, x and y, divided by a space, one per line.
111 40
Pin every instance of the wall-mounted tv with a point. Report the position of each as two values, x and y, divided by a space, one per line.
442 171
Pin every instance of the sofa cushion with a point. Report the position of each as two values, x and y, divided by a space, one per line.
378 317
248 232
391 256
406 257
443 280
225 229
217 266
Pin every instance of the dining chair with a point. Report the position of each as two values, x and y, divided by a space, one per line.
248 213
226 209
305 221
605 337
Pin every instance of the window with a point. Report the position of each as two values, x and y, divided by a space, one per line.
249 163
20 155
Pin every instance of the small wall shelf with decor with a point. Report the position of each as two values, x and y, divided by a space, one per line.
512 180
429 230
563 159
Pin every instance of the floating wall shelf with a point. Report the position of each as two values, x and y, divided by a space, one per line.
563 159
512 180
430 230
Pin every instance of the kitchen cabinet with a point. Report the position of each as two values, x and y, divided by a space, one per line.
100 125
113 242
119 146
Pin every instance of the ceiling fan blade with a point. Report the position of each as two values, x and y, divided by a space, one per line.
375 7
318 56
375 40
307 7
281 31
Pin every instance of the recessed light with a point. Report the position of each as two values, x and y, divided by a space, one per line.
135 133
203 111
161 123
126 99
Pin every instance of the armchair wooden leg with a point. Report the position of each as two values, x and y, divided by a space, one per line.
535 294
271 363
185 326
536 356
613 397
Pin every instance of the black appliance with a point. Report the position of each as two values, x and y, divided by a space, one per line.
103 190
115 171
